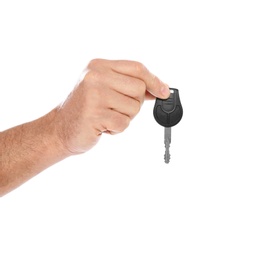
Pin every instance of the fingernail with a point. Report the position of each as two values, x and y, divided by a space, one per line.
165 91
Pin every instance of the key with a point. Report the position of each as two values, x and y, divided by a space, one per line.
168 113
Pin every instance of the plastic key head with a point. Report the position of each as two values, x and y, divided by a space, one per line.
168 112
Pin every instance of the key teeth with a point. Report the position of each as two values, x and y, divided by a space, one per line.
166 144
167 154
167 158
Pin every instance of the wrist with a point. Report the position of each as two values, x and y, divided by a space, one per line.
53 135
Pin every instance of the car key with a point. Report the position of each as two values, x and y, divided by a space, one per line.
168 113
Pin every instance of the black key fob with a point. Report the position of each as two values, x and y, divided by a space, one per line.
168 112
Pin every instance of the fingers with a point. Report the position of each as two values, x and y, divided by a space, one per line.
114 123
122 104
120 83
134 69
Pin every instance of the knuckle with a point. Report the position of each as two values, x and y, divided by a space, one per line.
92 77
139 67
142 89
95 63
136 109
121 123
125 123
139 91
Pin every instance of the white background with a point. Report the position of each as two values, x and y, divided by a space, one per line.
217 197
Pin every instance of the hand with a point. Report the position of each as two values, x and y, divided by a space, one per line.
105 100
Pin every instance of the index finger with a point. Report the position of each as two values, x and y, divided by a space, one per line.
154 85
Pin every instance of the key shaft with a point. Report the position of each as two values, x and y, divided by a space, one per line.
167 142
167 134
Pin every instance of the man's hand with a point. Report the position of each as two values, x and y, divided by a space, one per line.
105 101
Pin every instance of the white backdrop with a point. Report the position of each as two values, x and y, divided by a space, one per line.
217 197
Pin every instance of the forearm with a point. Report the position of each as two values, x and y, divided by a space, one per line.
28 149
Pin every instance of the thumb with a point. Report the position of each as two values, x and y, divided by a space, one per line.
156 88
163 93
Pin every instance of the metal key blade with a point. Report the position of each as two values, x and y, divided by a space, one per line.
167 141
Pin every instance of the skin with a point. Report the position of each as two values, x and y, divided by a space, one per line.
105 100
